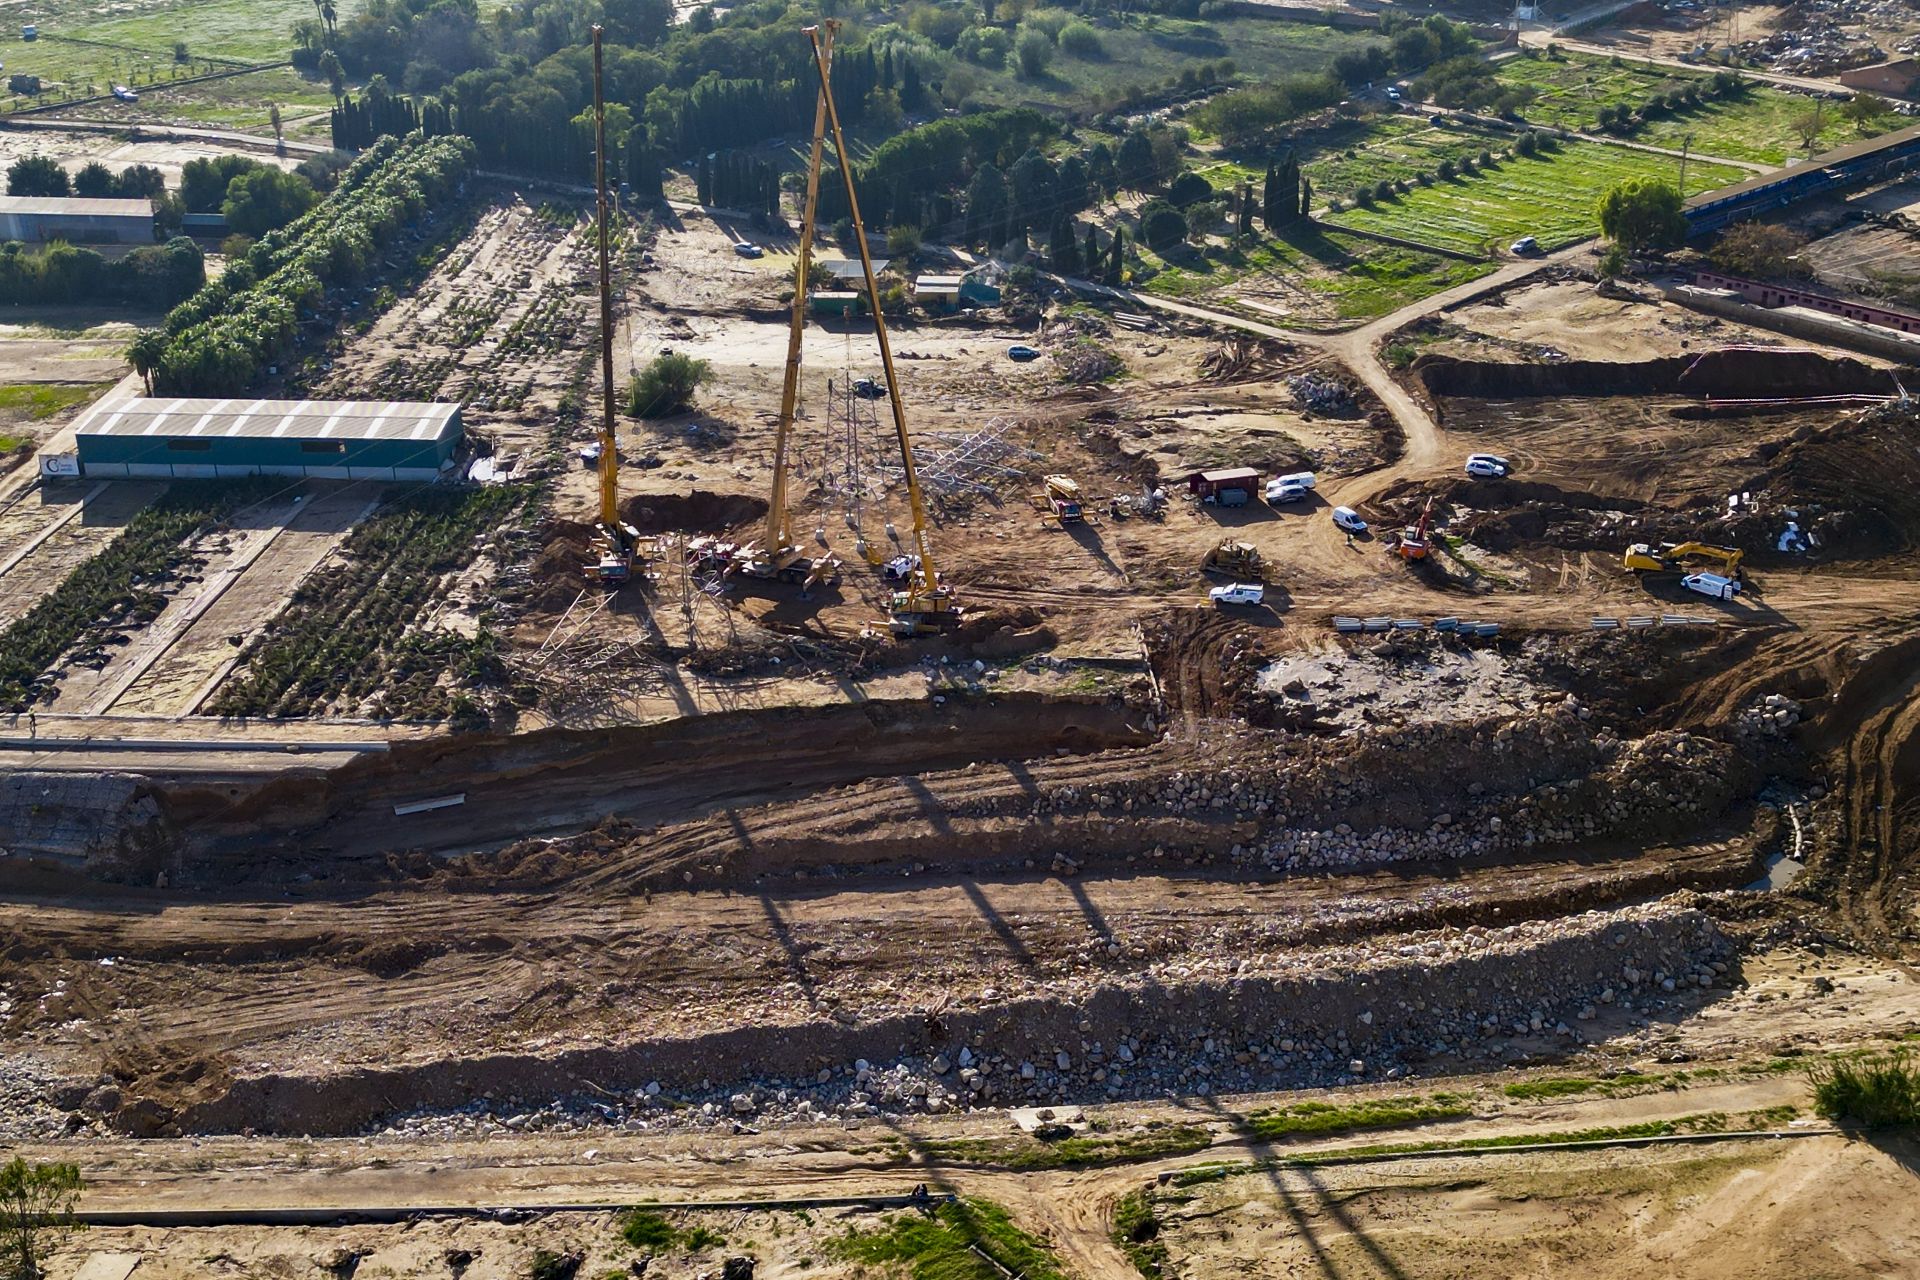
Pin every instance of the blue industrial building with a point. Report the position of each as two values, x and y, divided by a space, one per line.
334 440
1874 160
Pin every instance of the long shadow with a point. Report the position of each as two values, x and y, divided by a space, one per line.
929 804
1000 927
796 955
1089 539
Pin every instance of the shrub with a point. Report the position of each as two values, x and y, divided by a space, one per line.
1364 197
36 1203
1034 49
1080 40
645 1230
667 385
1383 190
1528 144
1486 158
1446 170
1877 1092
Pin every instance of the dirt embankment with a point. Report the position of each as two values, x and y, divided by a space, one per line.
1740 374
561 780
1370 1006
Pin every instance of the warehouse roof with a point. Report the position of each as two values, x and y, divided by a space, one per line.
77 207
278 419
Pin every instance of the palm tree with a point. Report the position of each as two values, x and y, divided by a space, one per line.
335 73
148 346
328 15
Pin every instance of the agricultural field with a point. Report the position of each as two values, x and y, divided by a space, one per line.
1755 127
1315 277
1550 196
1348 154
1146 50
242 102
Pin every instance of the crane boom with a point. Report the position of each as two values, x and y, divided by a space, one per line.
609 458
779 518
923 581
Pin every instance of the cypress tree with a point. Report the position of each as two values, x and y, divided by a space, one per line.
1064 252
1090 254
1244 222
1116 261
703 180
1270 211
1306 197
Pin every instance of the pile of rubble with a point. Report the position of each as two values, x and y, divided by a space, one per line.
1821 37
1321 393
1772 716
1299 1019
1085 361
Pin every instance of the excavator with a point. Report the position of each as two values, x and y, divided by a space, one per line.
924 605
1671 557
615 541
1414 543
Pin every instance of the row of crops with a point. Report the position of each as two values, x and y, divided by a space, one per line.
119 584
219 341
352 640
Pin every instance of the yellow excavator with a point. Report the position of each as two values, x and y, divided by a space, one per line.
615 542
1671 557
924 604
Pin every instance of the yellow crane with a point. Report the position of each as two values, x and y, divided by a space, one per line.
617 540
924 605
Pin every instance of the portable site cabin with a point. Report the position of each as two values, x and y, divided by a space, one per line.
339 440
1211 484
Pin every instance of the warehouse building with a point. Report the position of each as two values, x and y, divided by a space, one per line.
333 440
37 219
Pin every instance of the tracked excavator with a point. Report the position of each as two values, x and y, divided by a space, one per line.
1672 557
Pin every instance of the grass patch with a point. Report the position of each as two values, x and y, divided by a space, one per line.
645 1229
1372 1113
1332 277
1550 196
1136 1230
1081 1151
9 443
1568 1086
1878 1092
40 400
941 1245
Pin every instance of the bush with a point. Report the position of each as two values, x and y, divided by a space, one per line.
1034 50
1080 40
1760 249
266 200
1188 189
1162 226
1528 144
1877 1092
1383 190
1447 170
667 385
903 241
37 176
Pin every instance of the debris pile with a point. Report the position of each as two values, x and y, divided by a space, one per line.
1085 361
1321 393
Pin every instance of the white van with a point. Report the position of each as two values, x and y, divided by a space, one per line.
1302 479
1719 586
1349 519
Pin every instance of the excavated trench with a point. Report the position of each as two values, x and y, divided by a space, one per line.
1743 373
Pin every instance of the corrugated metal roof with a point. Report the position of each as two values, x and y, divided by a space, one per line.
1825 160
246 417
76 207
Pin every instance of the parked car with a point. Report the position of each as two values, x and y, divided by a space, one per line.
870 388
1305 479
1280 491
1393 94
1719 586
747 249
1022 352
1437 118
1526 246
1349 519
1238 593
1487 466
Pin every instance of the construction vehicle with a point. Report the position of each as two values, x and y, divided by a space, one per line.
1060 503
1672 557
924 605
777 557
1414 543
615 541
1240 561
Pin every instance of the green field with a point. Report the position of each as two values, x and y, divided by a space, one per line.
1755 127
1551 196
236 102
81 51
1145 50
1352 153
1346 277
